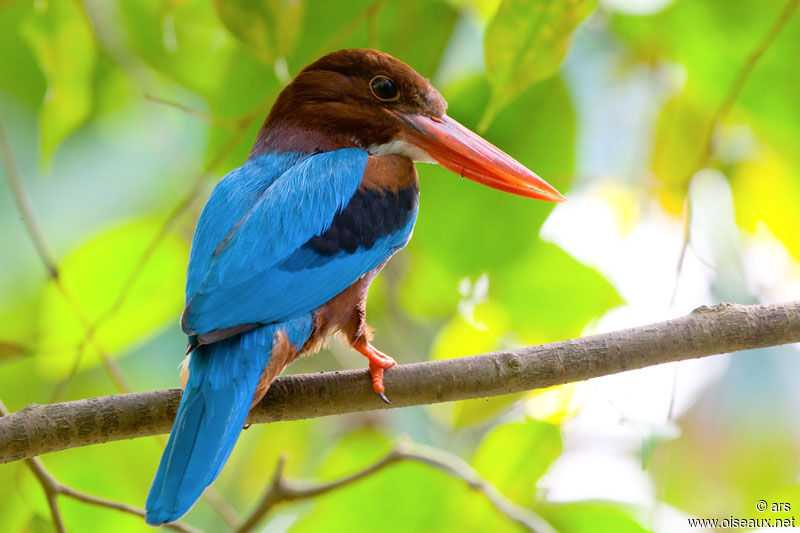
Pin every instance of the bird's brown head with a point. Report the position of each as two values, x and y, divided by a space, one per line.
370 100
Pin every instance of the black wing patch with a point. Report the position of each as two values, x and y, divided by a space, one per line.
371 214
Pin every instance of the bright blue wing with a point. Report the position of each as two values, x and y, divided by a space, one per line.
256 269
232 199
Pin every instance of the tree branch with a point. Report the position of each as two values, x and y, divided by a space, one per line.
53 487
39 429
282 490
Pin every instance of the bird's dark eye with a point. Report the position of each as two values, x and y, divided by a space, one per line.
384 89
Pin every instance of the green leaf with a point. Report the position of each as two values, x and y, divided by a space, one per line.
767 191
20 77
515 455
185 41
525 43
269 28
327 26
551 296
416 32
93 275
461 337
60 37
15 506
591 517
680 139
484 8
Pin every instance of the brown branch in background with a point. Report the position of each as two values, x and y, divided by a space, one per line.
53 488
118 506
39 429
722 111
31 223
222 122
25 206
281 490
221 506
50 488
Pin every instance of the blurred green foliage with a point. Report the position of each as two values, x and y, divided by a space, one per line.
525 43
61 38
123 114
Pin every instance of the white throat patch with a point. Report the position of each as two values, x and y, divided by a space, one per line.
401 147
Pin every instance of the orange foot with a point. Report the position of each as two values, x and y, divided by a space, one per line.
378 362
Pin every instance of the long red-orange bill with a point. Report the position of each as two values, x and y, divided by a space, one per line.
461 151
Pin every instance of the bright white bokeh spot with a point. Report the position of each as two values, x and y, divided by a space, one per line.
636 7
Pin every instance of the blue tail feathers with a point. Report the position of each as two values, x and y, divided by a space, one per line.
222 381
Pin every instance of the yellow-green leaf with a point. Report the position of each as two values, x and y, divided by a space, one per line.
680 140
553 404
93 275
525 43
61 38
767 190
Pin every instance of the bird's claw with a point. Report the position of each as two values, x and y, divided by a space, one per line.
378 362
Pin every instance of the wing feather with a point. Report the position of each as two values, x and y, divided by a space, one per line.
256 268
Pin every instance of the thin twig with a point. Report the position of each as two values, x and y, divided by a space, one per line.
53 488
223 508
724 108
456 467
62 386
197 113
118 506
739 82
50 487
282 490
25 206
31 223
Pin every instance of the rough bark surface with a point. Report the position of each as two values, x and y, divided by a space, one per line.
39 429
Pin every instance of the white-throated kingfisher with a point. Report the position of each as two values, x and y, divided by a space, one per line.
288 243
